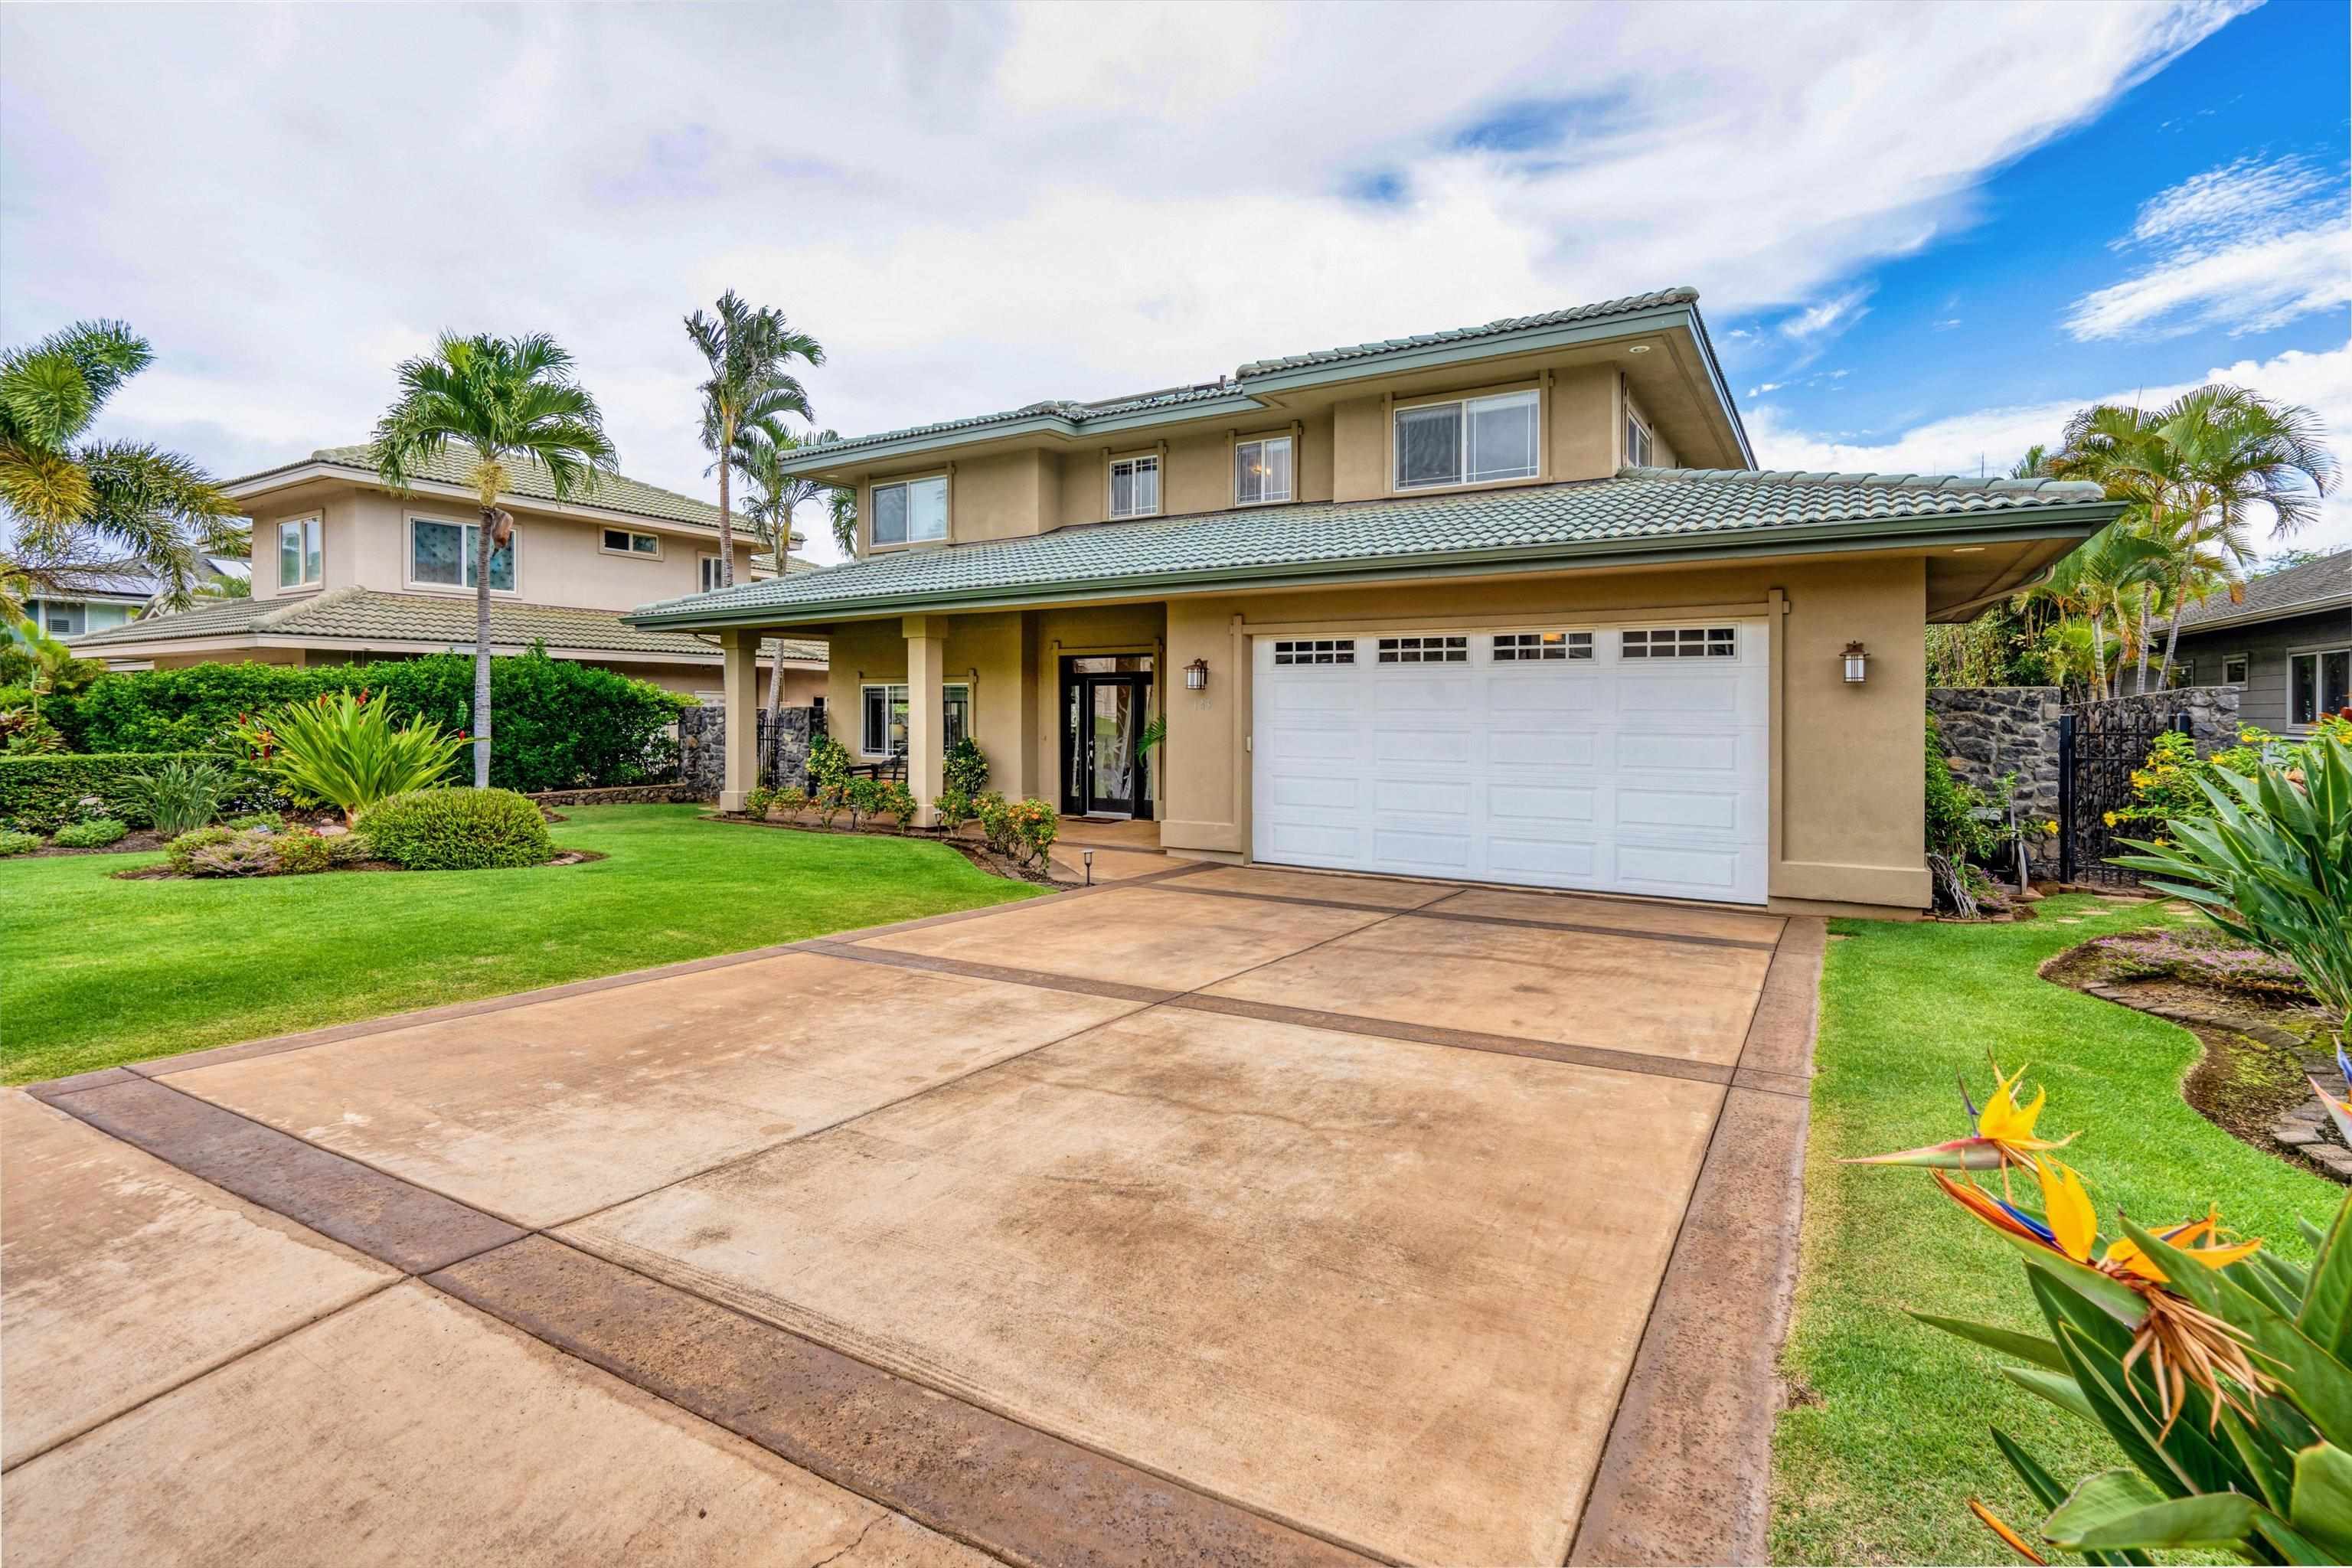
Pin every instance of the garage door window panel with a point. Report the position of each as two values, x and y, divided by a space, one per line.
1542 647
1679 642
1314 650
1425 650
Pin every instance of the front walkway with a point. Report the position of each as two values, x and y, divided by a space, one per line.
1214 1213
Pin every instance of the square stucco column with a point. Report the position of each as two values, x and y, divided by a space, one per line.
741 651
927 654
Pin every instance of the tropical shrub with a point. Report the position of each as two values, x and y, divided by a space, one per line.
182 793
25 733
2272 864
272 820
995 819
791 801
2222 1371
300 854
458 830
559 725
181 851
965 767
251 853
2166 785
864 796
1022 829
897 802
342 751
828 763
829 800
95 834
41 792
14 843
349 850
756 800
1952 832
954 808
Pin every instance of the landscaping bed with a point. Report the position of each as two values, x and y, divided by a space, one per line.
982 854
165 874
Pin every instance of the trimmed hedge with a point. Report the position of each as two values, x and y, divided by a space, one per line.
43 793
555 724
458 830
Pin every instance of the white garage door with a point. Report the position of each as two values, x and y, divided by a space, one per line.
1622 759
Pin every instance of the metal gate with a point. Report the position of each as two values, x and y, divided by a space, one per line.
2099 746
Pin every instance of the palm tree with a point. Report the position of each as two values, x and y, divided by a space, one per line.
2120 449
506 402
759 451
841 507
82 509
748 352
2113 568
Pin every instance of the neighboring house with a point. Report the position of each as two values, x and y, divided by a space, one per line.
2288 641
1441 606
101 601
346 570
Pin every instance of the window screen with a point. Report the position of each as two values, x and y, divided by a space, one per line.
1425 650
1680 642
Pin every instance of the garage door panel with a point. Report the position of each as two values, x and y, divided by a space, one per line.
1643 776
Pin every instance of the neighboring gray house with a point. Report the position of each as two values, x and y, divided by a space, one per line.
2288 642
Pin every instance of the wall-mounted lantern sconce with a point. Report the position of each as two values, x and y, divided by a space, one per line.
1857 664
1196 676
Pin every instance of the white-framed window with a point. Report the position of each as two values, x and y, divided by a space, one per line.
2233 670
628 542
1425 650
1536 647
441 555
1261 470
910 512
2318 680
705 567
300 560
1637 443
1475 440
883 723
1679 642
1316 651
1135 486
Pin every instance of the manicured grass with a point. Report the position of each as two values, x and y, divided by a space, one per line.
1876 1463
95 972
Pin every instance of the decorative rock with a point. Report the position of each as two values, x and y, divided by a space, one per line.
2335 1157
2290 1131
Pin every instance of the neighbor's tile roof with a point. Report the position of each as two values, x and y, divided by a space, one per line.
532 481
1638 507
363 616
2298 590
1237 384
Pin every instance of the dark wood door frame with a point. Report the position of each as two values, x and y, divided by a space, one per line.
1077 764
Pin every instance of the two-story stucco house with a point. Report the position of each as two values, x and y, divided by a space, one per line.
1509 603
346 570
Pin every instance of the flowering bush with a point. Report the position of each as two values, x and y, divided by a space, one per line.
1022 829
2166 787
756 801
828 763
791 800
829 799
954 808
965 768
896 801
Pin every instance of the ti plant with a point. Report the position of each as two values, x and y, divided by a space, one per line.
2219 1368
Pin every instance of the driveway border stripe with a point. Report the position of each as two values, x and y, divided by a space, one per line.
1686 1474
994 1483
968 969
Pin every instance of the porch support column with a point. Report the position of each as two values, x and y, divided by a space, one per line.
927 653
741 652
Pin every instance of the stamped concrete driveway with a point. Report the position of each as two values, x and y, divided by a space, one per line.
1221 1215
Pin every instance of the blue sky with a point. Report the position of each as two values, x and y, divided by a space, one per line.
1923 234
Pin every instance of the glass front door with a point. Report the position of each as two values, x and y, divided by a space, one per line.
1104 712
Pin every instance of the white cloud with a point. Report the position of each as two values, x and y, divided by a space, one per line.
1987 440
972 206
2249 246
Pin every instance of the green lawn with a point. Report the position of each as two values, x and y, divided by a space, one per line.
1876 1461
95 970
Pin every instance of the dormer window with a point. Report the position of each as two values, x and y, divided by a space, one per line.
1473 441
910 512
1262 471
1135 487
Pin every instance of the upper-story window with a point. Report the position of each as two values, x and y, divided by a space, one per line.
622 541
299 559
910 512
1135 487
1637 443
447 555
712 578
1474 441
1262 471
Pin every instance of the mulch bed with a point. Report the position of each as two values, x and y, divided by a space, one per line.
2260 1034
972 849
165 873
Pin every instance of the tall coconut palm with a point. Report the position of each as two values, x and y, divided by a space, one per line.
2120 449
2099 582
505 403
750 353
760 449
79 509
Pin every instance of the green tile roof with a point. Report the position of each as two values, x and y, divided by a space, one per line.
362 616
1078 414
527 482
1639 511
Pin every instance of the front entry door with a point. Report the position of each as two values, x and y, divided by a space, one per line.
1103 716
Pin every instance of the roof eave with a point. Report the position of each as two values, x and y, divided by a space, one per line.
311 468
2078 520
2269 612
822 458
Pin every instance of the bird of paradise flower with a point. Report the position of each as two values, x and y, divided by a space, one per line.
2001 1137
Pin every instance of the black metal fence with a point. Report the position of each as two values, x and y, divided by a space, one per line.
2100 745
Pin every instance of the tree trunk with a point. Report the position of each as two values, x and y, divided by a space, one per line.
2172 632
482 648
726 511
2099 654
2143 642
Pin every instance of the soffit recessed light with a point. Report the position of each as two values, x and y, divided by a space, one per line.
1639 349
1968 549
